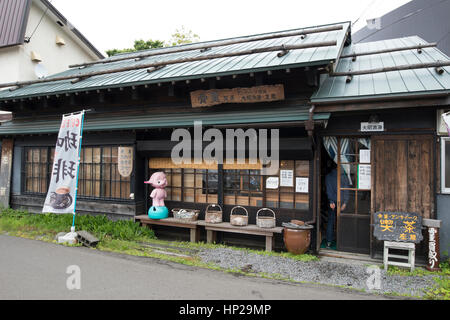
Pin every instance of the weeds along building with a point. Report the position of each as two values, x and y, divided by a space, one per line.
375 104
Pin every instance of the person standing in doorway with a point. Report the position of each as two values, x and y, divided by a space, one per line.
331 188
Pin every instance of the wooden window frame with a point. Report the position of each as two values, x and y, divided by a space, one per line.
24 164
80 178
241 195
102 166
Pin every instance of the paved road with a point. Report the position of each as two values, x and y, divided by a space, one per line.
37 270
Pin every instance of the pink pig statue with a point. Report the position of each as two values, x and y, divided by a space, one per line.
159 181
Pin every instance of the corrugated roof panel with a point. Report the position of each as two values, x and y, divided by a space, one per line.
380 80
193 70
13 15
404 82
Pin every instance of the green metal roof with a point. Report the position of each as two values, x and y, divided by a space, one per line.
199 69
388 84
147 121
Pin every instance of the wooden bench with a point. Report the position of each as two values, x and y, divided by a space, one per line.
144 220
212 229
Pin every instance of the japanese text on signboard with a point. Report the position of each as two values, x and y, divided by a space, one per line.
398 226
206 98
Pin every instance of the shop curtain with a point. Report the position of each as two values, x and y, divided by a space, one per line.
365 142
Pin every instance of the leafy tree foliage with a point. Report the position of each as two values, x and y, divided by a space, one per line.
181 36
138 45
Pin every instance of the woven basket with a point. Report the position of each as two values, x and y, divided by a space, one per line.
186 214
213 216
238 220
265 222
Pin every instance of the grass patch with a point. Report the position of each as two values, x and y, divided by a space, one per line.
441 289
50 224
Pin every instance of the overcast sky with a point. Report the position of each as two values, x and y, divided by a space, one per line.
116 23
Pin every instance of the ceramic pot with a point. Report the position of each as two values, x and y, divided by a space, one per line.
297 241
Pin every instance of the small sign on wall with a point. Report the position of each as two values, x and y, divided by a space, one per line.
125 161
372 126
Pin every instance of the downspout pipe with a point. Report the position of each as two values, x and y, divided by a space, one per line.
309 126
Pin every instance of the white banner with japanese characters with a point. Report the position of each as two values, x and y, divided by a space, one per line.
61 196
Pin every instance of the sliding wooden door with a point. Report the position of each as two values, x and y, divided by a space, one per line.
403 177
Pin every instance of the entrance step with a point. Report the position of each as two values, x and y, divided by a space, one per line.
340 255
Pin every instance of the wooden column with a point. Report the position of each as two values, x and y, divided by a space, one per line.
5 171
434 257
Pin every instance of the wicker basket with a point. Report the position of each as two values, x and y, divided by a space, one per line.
238 220
213 216
186 214
265 222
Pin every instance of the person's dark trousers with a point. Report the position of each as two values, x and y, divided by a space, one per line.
330 224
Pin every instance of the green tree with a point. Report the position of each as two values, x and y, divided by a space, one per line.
180 36
183 36
138 46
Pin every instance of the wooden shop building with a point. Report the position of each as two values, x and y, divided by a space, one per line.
325 95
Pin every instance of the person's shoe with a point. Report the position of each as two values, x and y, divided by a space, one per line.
328 245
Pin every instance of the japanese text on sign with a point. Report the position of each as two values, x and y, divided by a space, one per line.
398 226
372 126
206 98
63 184
125 161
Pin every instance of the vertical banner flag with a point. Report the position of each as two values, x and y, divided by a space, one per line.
62 192
446 118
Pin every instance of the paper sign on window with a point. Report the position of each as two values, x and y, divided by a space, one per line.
364 156
364 177
272 183
286 178
301 185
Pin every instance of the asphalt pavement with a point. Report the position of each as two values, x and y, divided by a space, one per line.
33 270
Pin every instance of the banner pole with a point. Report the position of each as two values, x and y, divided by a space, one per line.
78 170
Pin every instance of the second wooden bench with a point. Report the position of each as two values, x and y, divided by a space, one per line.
212 229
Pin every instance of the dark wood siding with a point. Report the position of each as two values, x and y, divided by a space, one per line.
403 177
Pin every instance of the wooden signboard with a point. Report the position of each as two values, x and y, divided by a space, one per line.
5 171
125 161
207 98
398 226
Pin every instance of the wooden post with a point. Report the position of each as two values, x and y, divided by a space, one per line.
434 257
195 234
211 236
269 243
5 171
